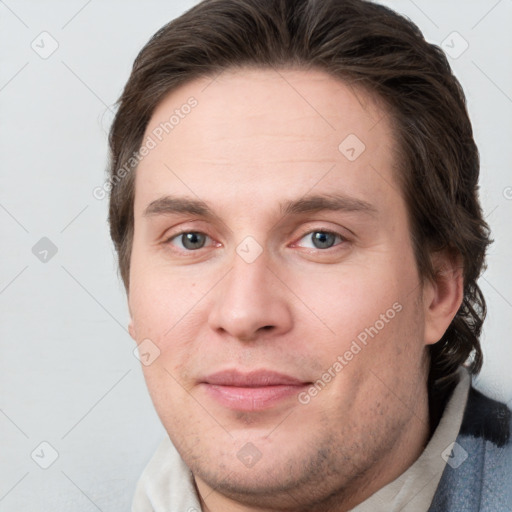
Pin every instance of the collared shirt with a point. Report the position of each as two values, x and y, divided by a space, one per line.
167 485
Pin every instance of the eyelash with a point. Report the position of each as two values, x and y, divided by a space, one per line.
309 232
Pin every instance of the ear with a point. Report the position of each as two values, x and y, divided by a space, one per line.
443 295
131 328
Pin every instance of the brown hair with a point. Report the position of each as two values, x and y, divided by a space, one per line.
357 41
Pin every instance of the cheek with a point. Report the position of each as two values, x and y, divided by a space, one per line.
371 313
168 309
349 300
159 300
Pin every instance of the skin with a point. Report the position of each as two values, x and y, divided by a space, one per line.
258 138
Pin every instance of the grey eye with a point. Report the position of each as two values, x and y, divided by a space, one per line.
193 240
323 239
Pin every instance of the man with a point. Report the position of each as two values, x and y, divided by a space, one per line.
294 205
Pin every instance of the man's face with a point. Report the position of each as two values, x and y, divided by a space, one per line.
289 319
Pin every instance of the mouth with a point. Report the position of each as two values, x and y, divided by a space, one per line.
254 391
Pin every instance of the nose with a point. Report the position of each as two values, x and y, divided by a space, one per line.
250 301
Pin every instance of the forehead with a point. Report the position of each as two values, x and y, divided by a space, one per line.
257 132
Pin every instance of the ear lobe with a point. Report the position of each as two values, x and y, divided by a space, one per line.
443 295
131 330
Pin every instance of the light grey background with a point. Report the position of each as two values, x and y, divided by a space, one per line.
68 376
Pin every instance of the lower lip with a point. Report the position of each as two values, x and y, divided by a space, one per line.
252 399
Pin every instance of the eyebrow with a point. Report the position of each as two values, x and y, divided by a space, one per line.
334 202
167 205
170 204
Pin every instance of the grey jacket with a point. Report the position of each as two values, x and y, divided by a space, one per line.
478 476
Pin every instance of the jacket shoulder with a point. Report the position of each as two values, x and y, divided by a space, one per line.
486 418
481 478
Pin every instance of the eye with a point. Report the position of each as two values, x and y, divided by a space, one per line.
322 239
189 240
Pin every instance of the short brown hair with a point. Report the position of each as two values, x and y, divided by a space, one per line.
357 41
